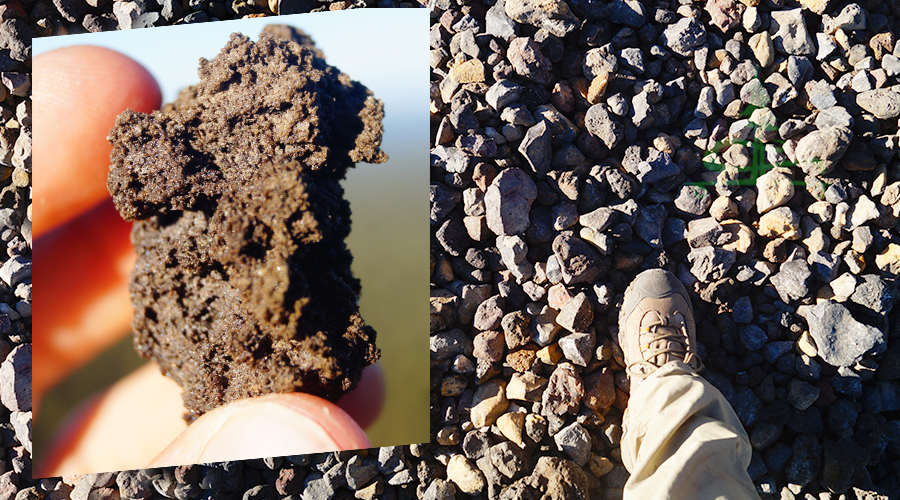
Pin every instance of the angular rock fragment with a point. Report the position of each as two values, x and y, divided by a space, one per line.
819 152
883 103
508 201
553 15
840 339
710 263
535 147
790 34
602 124
684 36
15 379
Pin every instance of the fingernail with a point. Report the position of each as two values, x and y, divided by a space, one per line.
268 426
268 429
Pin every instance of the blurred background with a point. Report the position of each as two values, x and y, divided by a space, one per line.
385 50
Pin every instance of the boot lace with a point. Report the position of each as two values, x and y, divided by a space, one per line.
660 332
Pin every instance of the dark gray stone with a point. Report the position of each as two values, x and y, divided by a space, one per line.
684 36
627 12
503 92
657 167
579 262
824 266
743 310
603 125
747 405
574 441
840 460
806 460
873 293
840 339
649 224
706 232
753 337
792 280
801 395
693 200
710 263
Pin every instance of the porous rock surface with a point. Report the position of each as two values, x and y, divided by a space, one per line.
243 285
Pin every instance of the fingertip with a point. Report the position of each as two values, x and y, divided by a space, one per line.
364 404
266 426
78 92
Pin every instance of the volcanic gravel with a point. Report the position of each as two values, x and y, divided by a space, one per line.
15 260
575 145
750 147
66 17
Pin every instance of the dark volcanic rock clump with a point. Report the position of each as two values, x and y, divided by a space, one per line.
243 285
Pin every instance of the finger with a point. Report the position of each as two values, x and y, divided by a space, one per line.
266 426
82 301
122 428
127 426
365 402
77 94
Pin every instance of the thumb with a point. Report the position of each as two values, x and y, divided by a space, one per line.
267 426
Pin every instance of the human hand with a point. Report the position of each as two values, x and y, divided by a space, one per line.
85 259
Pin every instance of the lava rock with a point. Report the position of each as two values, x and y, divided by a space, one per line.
508 201
840 339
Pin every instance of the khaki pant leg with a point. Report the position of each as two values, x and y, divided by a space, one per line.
682 439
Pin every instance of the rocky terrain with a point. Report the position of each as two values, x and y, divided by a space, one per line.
65 17
748 146
391 473
15 259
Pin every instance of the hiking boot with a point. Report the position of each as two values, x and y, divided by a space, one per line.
656 325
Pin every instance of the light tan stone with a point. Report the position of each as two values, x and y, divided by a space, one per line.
463 472
807 345
471 71
742 236
550 355
763 50
816 6
600 466
598 87
488 403
526 386
510 425
780 222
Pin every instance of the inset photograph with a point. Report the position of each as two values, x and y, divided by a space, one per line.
240 196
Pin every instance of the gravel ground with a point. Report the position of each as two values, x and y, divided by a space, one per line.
15 261
64 17
749 147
